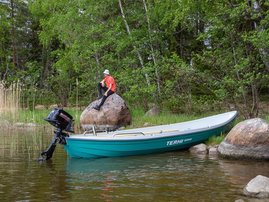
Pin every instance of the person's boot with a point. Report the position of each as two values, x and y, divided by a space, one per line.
96 108
100 91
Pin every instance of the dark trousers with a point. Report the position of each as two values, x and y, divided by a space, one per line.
101 91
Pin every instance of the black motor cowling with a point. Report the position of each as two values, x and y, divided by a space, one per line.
61 119
63 122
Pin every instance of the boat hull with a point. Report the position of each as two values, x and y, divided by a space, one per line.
97 148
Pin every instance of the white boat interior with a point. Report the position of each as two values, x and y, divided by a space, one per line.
182 128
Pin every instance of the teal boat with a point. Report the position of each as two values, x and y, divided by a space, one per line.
148 140
139 141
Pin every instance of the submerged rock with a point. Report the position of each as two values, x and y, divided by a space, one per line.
198 149
113 114
248 139
213 150
258 187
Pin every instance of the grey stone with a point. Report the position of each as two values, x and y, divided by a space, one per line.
40 107
212 151
154 111
31 125
146 124
258 187
199 149
239 200
53 106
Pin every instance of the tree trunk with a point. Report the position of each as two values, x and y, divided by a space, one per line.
264 52
135 48
98 66
13 35
45 64
255 102
152 50
238 77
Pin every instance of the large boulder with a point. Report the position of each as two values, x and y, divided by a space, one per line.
113 114
248 139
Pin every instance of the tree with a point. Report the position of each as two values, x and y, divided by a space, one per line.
175 53
5 52
232 61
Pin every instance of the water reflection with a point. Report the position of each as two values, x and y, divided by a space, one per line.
242 171
20 141
22 177
175 176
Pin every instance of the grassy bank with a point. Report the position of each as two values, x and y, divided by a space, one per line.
33 116
139 119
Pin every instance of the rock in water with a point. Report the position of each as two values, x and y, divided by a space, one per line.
113 114
248 139
258 187
199 149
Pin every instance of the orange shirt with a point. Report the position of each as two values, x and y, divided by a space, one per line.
109 80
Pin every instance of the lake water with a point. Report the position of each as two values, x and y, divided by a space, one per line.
173 176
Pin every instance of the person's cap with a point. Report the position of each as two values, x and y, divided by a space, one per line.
106 71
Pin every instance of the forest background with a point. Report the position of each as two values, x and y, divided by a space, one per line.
182 55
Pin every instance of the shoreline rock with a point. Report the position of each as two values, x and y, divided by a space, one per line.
248 139
199 149
203 149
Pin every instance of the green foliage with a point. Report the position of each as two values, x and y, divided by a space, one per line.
182 55
234 63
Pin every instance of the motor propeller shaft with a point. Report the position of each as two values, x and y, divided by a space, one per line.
63 122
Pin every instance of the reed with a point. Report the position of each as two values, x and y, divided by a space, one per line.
9 100
24 142
11 109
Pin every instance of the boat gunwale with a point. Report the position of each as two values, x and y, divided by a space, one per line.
152 136
114 137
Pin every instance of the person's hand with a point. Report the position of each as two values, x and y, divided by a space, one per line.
105 94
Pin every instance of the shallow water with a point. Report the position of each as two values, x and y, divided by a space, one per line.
173 176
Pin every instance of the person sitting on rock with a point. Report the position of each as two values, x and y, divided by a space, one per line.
107 85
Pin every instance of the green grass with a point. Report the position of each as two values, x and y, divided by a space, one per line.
26 116
267 118
35 116
215 140
139 119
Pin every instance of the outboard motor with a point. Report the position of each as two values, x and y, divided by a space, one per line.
62 121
